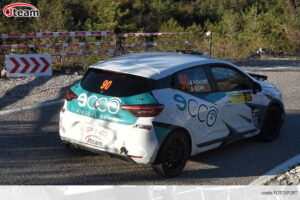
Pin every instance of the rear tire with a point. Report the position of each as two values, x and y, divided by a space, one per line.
272 124
173 155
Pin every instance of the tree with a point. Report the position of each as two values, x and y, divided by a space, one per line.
54 16
105 15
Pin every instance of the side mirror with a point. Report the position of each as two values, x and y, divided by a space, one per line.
256 88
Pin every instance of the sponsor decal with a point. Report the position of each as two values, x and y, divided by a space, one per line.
198 85
239 97
184 82
141 126
191 85
104 107
192 112
248 96
93 140
181 102
211 116
96 115
13 10
202 110
207 114
102 104
106 85
204 113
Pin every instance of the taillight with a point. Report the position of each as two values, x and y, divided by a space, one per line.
70 95
146 110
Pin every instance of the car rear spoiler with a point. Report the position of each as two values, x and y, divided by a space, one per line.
259 77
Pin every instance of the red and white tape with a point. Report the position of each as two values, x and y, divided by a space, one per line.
144 44
99 52
85 44
105 52
82 34
152 34
81 44
79 53
57 34
127 45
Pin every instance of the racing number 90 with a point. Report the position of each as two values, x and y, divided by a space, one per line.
184 82
106 85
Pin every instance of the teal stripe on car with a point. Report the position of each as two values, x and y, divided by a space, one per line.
212 97
161 133
106 108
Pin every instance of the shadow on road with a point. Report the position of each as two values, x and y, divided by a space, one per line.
21 91
32 153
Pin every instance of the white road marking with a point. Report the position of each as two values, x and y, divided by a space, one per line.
49 103
277 170
188 191
71 190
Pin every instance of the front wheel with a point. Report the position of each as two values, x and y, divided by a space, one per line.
272 124
173 155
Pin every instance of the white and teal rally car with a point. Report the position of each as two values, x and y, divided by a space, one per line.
160 108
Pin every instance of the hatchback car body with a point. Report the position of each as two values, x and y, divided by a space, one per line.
160 108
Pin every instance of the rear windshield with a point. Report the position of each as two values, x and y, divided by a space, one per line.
114 84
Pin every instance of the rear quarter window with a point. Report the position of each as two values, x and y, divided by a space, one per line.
113 83
192 80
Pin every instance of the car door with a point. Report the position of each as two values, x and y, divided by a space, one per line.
238 113
195 97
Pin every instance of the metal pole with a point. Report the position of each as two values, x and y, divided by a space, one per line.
210 44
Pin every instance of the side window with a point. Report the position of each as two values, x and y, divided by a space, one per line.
193 80
228 79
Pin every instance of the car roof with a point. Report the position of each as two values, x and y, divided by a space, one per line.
154 65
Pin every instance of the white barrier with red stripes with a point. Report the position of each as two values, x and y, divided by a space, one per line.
79 53
81 44
85 44
40 64
20 65
125 35
126 45
57 34
82 34
144 44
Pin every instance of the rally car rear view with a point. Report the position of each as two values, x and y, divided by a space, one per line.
160 108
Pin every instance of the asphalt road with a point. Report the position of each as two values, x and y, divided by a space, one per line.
31 153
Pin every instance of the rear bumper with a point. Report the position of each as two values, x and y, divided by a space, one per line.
128 141
80 145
